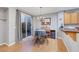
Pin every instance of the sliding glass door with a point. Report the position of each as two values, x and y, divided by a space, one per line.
29 25
23 25
26 25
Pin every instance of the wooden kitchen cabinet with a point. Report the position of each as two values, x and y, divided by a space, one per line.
78 18
67 18
72 35
74 18
71 18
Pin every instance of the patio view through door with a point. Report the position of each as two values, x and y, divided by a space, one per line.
29 25
26 25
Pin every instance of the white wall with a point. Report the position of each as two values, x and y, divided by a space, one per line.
34 23
11 25
3 32
60 19
3 13
3 29
53 21
6 31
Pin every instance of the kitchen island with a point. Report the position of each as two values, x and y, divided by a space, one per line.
73 33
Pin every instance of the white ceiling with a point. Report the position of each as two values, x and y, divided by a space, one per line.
35 11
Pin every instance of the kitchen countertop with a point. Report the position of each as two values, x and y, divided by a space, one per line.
70 30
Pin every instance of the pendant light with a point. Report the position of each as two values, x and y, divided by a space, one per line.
41 17
40 13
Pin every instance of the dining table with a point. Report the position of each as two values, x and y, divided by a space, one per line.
40 37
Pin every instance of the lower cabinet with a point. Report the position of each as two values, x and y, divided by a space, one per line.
72 35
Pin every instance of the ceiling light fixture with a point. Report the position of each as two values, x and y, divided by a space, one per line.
41 17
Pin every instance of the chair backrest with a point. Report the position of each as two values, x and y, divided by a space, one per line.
40 33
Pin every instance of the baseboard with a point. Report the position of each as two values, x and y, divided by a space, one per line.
8 44
11 44
2 43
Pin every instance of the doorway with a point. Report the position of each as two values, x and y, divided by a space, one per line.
23 25
26 25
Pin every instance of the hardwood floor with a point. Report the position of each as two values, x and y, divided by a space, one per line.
50 47
61 46
27 46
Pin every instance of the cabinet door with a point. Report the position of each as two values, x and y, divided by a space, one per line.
67 18
72 35
78 18
74 18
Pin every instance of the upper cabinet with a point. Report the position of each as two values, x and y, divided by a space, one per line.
66 18
71 18
74 18
78 18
